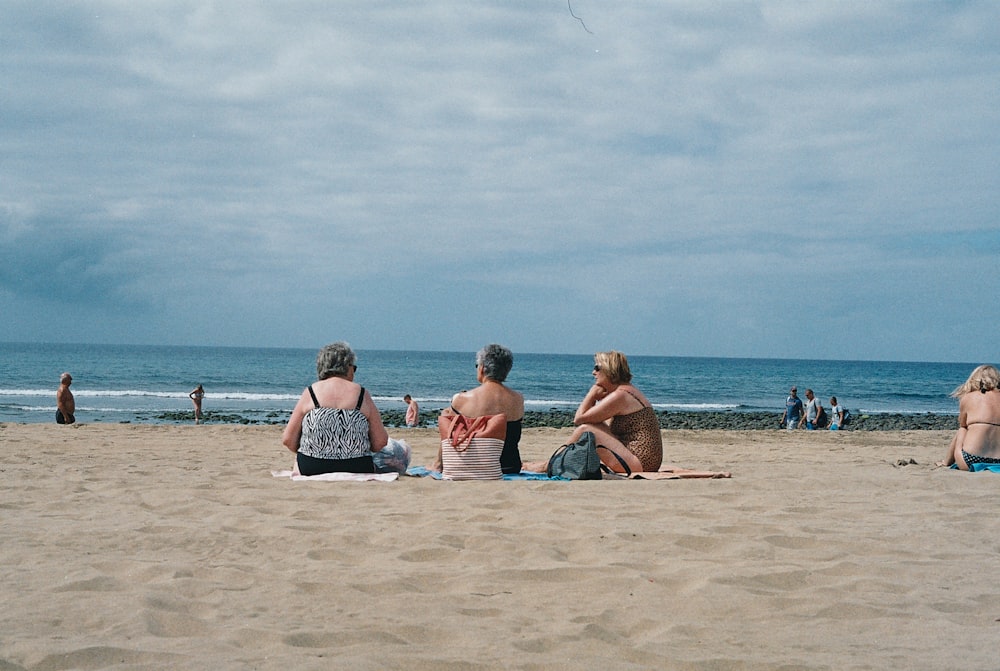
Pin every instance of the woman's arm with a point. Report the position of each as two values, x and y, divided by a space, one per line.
599 406
293 430
377 435
956 444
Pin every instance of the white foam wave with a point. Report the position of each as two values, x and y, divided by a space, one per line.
696 406
382 400
146 393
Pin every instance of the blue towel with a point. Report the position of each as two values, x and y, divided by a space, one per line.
976 468
993 468
423 472
529 475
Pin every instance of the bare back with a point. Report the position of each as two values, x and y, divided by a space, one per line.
980 414
335 392
65 401
490 398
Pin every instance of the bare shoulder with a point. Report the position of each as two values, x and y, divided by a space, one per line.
981 406
628 394
516 404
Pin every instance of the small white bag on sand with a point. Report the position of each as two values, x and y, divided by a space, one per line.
393 458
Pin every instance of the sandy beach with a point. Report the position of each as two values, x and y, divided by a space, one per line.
157 546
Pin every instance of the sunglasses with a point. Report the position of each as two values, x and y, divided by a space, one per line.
597 368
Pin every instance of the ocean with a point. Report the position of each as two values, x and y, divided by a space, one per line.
132 383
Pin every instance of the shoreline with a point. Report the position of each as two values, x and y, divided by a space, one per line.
669 420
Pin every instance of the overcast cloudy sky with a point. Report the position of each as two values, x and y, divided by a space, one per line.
773 179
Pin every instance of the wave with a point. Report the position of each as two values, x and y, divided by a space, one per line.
145 393
80 409
430 400
537 404
698 406
144 400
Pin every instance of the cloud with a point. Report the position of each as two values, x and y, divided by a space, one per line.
265 174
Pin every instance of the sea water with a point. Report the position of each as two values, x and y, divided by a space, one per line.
131 383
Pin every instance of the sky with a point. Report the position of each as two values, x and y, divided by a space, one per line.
808 180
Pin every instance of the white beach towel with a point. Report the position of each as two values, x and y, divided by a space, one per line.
337 477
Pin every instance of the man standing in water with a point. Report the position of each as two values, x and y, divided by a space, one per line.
65 403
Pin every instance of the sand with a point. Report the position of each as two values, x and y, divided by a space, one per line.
155 547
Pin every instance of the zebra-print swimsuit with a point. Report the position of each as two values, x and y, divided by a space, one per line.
335 440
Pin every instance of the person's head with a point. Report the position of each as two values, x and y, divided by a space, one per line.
66 379
614 365
335 360
983 379
407 398
833 400
793 391
809 394
496 362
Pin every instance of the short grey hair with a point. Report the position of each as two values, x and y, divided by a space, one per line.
334 360
496 361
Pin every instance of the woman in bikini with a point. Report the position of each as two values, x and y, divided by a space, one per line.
623 422
196 396
977 440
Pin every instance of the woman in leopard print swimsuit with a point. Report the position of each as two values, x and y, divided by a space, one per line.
620 416
624 423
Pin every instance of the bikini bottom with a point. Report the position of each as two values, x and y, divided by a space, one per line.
976 459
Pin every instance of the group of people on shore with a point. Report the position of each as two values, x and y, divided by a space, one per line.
336 427
812 415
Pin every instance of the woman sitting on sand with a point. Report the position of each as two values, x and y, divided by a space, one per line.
492 397
335 427
620 416
623 421
977 440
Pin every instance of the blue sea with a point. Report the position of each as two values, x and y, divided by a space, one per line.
131 383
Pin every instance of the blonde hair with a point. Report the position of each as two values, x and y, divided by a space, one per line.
983 379
615 366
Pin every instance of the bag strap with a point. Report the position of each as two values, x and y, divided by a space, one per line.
313 394
624 464
472 425
560 451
